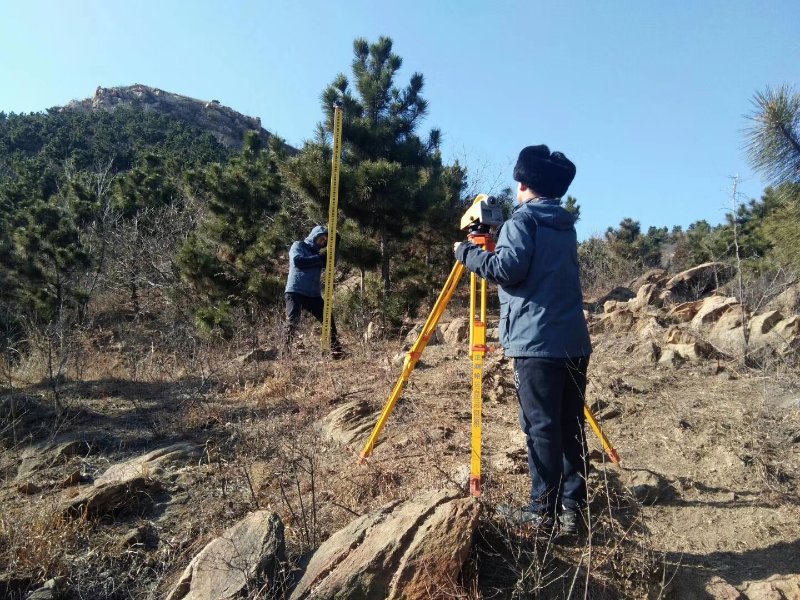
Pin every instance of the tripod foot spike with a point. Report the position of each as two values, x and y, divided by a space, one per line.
475 486
612 454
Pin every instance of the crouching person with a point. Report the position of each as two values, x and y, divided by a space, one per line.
306 261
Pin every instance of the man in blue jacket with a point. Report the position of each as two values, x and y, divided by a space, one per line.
542 326
306 261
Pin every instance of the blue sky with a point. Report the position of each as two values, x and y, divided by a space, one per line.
647 98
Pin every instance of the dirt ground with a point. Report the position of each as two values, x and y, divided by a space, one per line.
719 445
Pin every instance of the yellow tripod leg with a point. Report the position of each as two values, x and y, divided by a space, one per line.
609 449
413 355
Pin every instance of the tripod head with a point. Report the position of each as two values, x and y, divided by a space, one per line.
483 216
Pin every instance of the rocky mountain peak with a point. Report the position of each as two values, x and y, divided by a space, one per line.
224 123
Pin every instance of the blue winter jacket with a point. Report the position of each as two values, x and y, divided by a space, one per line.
535 265
306 264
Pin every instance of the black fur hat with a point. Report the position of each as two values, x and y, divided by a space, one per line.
548 174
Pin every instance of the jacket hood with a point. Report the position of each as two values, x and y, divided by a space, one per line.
315 233
549 213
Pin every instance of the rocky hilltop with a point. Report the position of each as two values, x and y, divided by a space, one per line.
224 123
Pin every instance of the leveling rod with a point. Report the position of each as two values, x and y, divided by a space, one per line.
333 213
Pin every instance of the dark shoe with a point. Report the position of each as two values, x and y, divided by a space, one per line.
569 520
337 352
524 517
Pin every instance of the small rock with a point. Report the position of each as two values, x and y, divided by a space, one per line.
53 589
259 355
637 385
436 335
28 488
647 486
719 589
612 413
374 331
461 476
44 455
144 535
670 358
73 478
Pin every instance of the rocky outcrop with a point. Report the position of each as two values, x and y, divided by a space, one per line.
350 424
247 556
777 587
124 486
700 326
47 454
225 124
437 337
698 281
402 550
457 331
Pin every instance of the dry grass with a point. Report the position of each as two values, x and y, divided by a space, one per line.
259 425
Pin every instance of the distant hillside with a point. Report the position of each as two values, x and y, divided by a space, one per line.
225 124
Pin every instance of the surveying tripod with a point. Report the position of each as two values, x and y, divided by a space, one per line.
479 234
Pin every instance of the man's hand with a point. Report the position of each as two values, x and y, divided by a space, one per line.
455 246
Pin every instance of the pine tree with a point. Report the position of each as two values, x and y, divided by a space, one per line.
774 149
571 205
230 259
388 172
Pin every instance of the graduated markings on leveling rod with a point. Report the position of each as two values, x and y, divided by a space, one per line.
333 212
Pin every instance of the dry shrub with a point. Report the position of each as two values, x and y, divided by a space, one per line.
601 269
38 543
610 559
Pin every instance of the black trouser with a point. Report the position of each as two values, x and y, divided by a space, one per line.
295 303
551 394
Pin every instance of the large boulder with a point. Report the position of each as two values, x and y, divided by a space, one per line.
618 294
788 301
718 589
777 587
712 309
245 556
402 550
657 277
349 424
47 454
771 334
436 336
124 486
646 296
618 320
152 464
457 331
698 281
